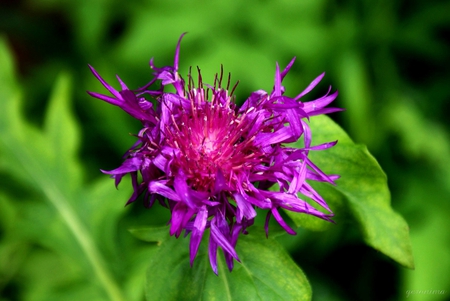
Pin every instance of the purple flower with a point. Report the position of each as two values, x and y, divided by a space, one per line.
211 163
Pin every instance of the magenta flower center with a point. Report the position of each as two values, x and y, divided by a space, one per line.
211 137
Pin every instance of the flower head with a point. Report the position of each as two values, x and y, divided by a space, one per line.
211 163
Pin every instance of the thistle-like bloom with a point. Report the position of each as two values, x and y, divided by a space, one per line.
211 163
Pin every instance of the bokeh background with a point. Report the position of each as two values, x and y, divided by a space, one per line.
389 59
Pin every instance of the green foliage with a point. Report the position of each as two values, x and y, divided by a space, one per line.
46 161
364 185
266 272
63 226
361 190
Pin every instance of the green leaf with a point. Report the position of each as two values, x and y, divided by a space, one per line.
364 187
429 223
266 271
45 161
63 134
154 234
432 267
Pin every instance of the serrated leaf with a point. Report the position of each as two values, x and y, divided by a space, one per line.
266 271
364 186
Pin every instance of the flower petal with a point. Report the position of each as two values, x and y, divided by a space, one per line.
282 223
222 241
161 188
310 86
244 208
197 232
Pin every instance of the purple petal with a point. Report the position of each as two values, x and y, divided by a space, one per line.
310 86
299 179
160 188
181 214
212 252
322 146
137 188
277 87
122 84
109 99
220 183
177 53
129 165
295 122
283 135
222 241
282 223
307 137
320 103
317 170
191 197
325 111
312 194
197 232
245 209
288 67
104 83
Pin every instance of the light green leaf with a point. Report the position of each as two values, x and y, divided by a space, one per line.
35 156
364 187
63 134
266 271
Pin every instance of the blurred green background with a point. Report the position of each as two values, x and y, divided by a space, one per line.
388 59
